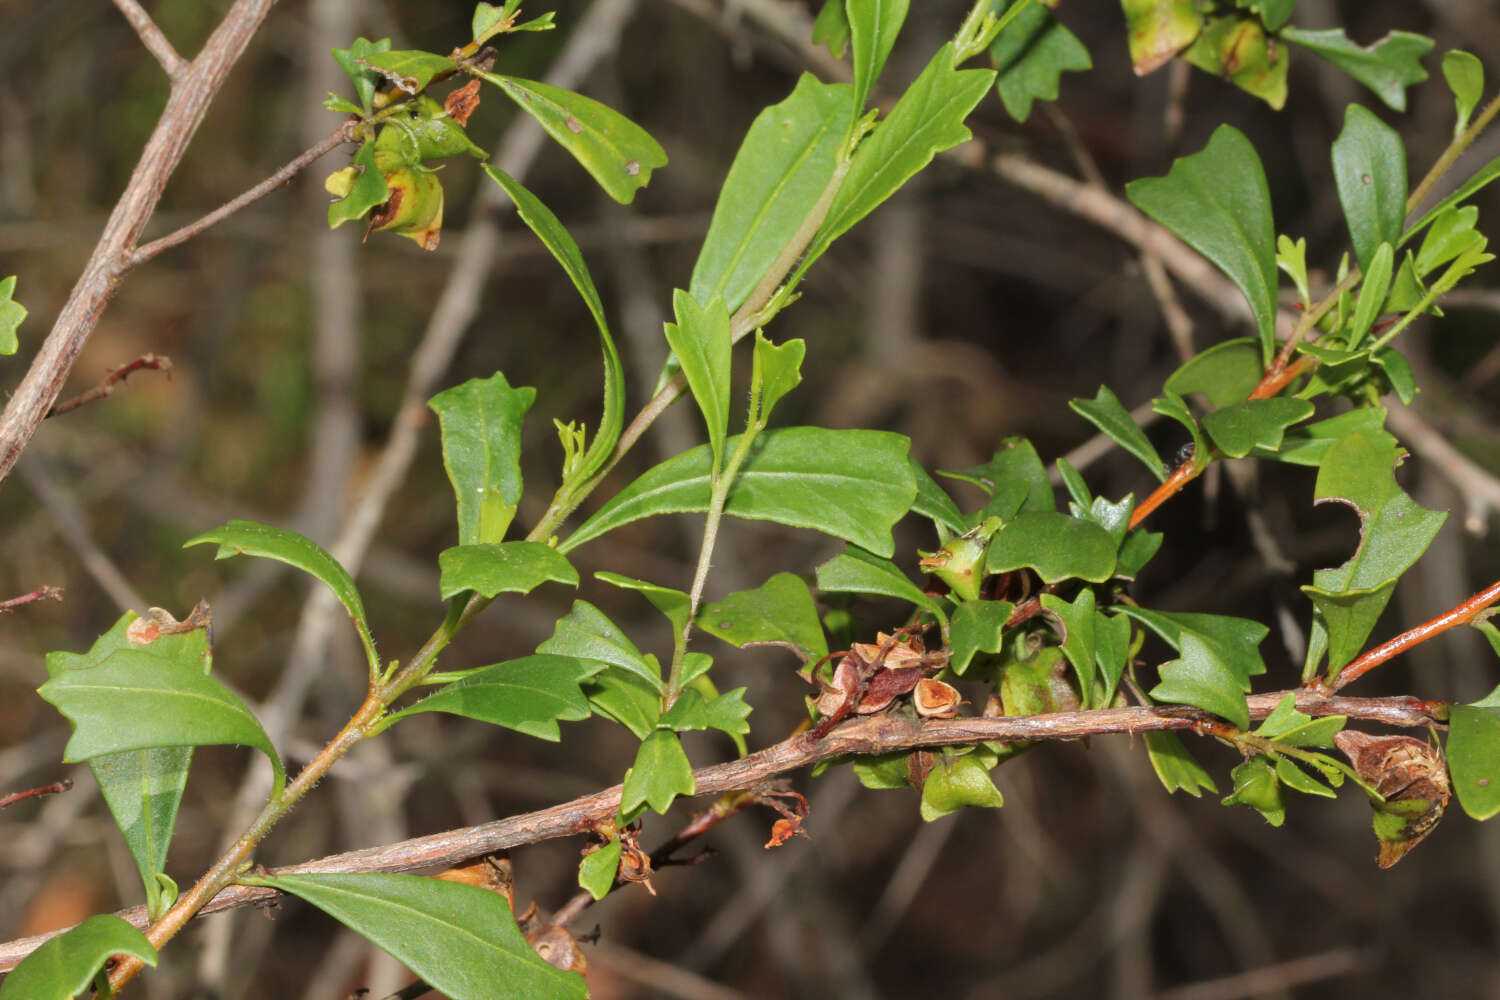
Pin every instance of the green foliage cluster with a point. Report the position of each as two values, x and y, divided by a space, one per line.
1034 607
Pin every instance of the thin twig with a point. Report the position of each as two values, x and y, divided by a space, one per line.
192 91
291 169
39 594
870 735
151 36
55 788
116 376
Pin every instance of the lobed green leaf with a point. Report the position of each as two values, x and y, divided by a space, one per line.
661 772
133 700
1105 412
1217 201
586 633
779 611
481 431
1240 428
1031 55
1201 679
1057 546
1387 66
12 313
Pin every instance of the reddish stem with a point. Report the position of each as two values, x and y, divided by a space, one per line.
35 793
1463 614
39 594
1180 477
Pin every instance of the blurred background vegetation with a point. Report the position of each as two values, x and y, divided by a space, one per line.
963 312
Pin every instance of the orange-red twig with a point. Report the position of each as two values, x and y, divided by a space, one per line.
39 594
1180 477
35 793
1463 614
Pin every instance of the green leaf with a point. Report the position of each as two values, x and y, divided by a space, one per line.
725 712
11 315
1238 49
673 603
627 699
1398 373
1014 477
1273 13
1372 289
1217 201
1387 67
486 17
661 773
1172 406
1369 168
64 966
777 370
615 150
530 695
873 26
410 69
252 539
1111 651
1175 767
143 788
1307 445
779 611
1291 258
831 29
1256 786
367 191
882 772
1451 233
1298 780
557 239
855 571
1394 529
1078 639
1136 551
1105 412
481 430
852 484
1483 176
1465 75
344 106
1057 546
1158 30
419 131
134 700
957 782
596 872
1288 726
927 120
1224 373
700 339
1492 636
502 568
461 939
1233 641
1240 428
977 627
586 633
1199 678
1474 758
1077 489
363 78
1031 55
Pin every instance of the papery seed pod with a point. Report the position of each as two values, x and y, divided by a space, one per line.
885 687
934 699
1412 776
833 695
558 949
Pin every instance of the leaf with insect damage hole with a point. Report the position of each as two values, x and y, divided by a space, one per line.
1358 471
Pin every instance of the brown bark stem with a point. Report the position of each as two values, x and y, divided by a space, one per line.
875 734
192 90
